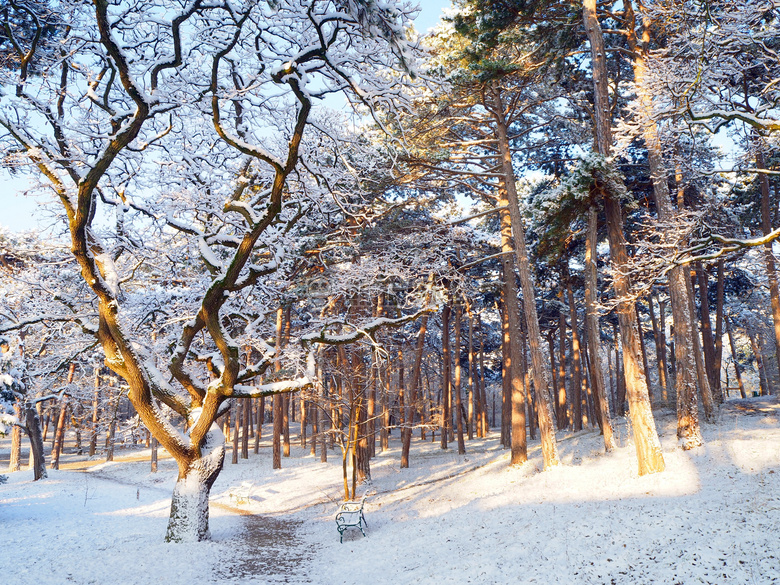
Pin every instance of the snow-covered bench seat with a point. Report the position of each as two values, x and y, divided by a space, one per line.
242 493
350 515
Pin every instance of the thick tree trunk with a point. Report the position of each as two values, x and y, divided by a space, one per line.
514 383
33 428
189 518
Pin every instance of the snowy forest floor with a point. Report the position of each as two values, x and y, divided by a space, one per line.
712 517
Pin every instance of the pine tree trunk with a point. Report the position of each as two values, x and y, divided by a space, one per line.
236 415
506 371
593 331
14 463
458 376
719 328
563 410
523 263
708 343
643 349
762 377
513 418
278 403
769 257
445 390
648 446
659 335
155 454
576 362
471 380
737 371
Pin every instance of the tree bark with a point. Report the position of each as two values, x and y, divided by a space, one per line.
458 376
513 425
710 358
33 429
576 362
523 263
593 330
769 257
737 371
189 518
445 386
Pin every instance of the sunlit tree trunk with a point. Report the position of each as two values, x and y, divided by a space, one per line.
445 389
523 263
458 379
513 425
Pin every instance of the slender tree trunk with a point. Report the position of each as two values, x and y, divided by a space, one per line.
708 343
576 362
482 389
769 257
593 330
523 263
719 327
563 411
236 408
278 404
59 433
458 377
704 383
414 385
643 349
762 377
246 407
471 380
737 371
659 334
445 389
506 369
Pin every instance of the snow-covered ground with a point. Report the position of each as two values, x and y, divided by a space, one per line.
712 517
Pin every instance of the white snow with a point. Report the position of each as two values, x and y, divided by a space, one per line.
712 517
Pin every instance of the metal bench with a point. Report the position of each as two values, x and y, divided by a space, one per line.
350 515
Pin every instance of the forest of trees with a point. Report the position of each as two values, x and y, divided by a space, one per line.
536 218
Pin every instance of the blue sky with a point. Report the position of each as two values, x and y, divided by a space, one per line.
19 212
